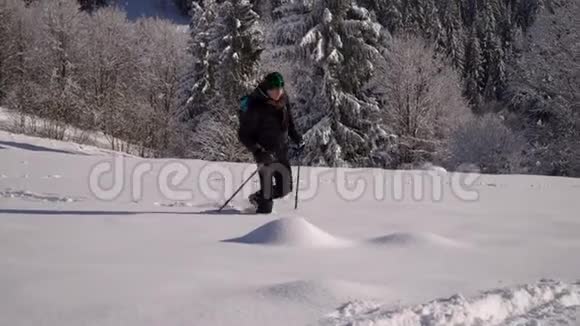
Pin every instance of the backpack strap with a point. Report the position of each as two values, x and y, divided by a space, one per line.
244 104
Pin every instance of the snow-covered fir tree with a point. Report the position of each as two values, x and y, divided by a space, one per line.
235 46
473 69
492 51
338 42
227 43
544 90
451 40
200 83
449 24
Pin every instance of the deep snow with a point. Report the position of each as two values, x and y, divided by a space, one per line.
68 258
533 304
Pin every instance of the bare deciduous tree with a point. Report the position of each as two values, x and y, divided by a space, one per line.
162 60
11 12
486 142
109 66
59 94
97 72
17 57
420 98
217 140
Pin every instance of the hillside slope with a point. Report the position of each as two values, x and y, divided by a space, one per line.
88 238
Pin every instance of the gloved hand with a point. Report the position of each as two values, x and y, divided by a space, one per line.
301 145
264 157
300 142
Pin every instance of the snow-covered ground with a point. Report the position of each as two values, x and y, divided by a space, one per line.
77 139
87 238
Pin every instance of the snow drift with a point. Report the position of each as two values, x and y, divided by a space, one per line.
292 232
509 306
297 232
406 239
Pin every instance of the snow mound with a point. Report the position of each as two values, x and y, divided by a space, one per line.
320 292
293 232
510 306
407 239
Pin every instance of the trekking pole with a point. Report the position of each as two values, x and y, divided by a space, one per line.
239 189
297 181
297 188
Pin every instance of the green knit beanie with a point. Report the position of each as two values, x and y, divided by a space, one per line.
274 80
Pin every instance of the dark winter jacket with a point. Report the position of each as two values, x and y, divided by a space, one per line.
266 124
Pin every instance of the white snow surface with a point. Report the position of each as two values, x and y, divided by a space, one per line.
68 258
98 141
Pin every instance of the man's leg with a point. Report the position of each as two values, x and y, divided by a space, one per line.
264 198
282 178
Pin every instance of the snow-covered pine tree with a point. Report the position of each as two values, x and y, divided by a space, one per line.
339 42
451 40
544 90
200 85
393 19
473 69
449 23
428 19
527 11
229 62
236 45
492 51
388 13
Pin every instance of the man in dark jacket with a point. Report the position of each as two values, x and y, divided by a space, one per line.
265 124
